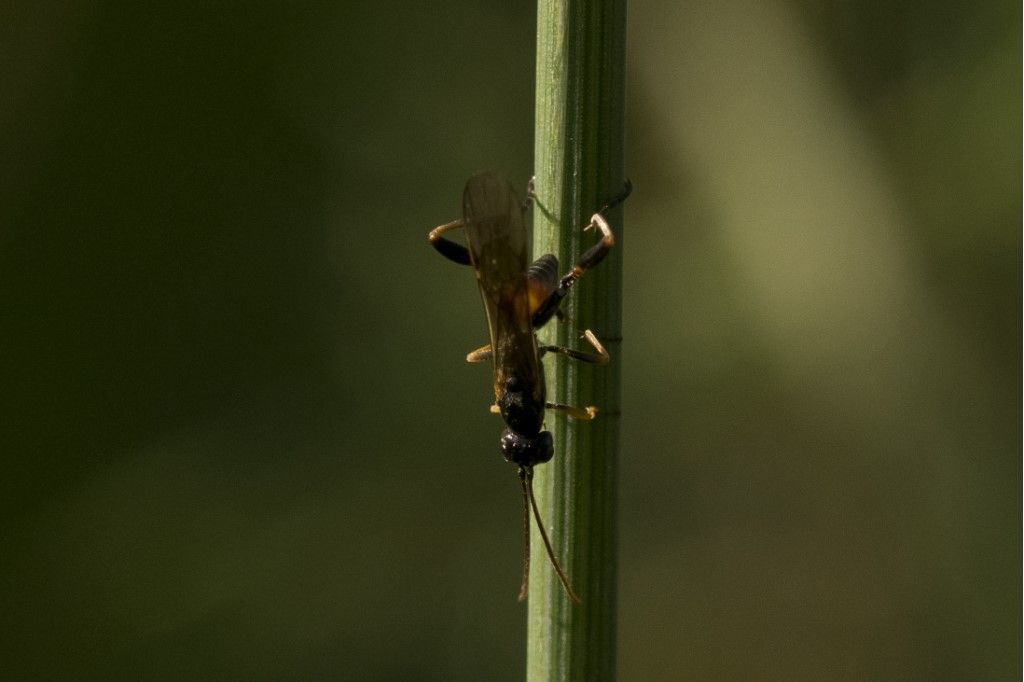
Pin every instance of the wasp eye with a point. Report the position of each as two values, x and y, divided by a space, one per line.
545 448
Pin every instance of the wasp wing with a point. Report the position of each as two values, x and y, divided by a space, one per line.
499 250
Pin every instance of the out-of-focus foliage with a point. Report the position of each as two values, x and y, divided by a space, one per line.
239 438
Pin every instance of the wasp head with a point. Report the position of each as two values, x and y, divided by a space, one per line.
527 451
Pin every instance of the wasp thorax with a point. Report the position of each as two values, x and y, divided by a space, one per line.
522 412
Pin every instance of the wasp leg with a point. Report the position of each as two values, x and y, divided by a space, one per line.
594 255
584 413
627 189
481 354
495 409
457 252
601 357
531 193
589 259
446 247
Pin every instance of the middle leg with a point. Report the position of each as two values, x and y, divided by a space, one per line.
601 357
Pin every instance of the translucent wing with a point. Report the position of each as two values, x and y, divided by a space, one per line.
499 249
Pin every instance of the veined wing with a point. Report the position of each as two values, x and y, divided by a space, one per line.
499 250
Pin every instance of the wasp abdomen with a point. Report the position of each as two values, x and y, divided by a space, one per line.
542 279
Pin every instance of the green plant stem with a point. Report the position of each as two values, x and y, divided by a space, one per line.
578 165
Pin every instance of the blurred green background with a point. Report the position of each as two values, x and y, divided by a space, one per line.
240 441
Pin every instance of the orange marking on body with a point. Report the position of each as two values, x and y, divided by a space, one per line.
538 292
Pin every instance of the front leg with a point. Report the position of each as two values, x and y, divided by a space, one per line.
581 413
481 354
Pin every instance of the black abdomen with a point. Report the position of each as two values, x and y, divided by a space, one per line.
544 271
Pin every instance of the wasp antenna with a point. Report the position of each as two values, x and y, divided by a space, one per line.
524 589
526 476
